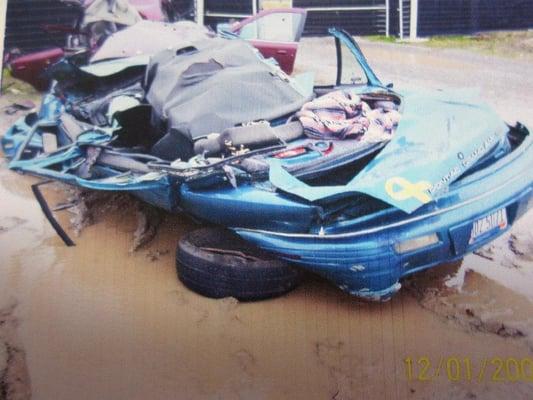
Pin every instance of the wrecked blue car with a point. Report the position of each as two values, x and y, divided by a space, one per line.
218 132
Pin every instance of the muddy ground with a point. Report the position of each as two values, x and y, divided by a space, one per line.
101 321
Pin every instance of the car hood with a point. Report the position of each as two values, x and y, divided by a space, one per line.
441 135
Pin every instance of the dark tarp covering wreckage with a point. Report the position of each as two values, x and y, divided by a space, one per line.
214 85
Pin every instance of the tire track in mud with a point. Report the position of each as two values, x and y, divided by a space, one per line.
14 376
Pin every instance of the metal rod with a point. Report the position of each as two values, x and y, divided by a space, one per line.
3 16
413 22
226 15
400 17
200 12
26 141
348 8
387 17
48 214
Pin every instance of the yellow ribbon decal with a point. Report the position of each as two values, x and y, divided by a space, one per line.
407 189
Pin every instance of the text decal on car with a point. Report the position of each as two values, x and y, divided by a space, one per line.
487 224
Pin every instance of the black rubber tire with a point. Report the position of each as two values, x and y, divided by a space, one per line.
206 265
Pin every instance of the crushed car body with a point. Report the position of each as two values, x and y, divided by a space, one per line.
356 182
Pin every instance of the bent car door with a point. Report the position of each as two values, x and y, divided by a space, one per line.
351 70
275 33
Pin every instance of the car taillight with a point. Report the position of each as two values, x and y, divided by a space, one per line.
291 153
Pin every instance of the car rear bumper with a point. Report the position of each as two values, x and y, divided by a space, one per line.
366 262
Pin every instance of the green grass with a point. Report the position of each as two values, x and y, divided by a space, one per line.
11 85
382 38
517 44
511 43
487 42
451 40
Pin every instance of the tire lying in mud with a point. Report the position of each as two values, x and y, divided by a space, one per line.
217 263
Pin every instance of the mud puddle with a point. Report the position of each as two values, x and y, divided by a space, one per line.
99 321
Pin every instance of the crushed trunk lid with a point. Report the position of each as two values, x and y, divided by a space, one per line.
424 156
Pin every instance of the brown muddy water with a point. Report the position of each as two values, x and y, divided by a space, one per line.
100 321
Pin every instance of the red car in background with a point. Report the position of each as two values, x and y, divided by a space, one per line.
274 32
97 18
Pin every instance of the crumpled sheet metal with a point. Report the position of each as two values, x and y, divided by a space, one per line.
440 136
146 38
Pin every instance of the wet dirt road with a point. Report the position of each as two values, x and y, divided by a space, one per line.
98 321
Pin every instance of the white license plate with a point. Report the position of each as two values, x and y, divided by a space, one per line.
496 221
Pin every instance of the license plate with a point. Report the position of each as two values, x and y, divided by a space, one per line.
488 224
